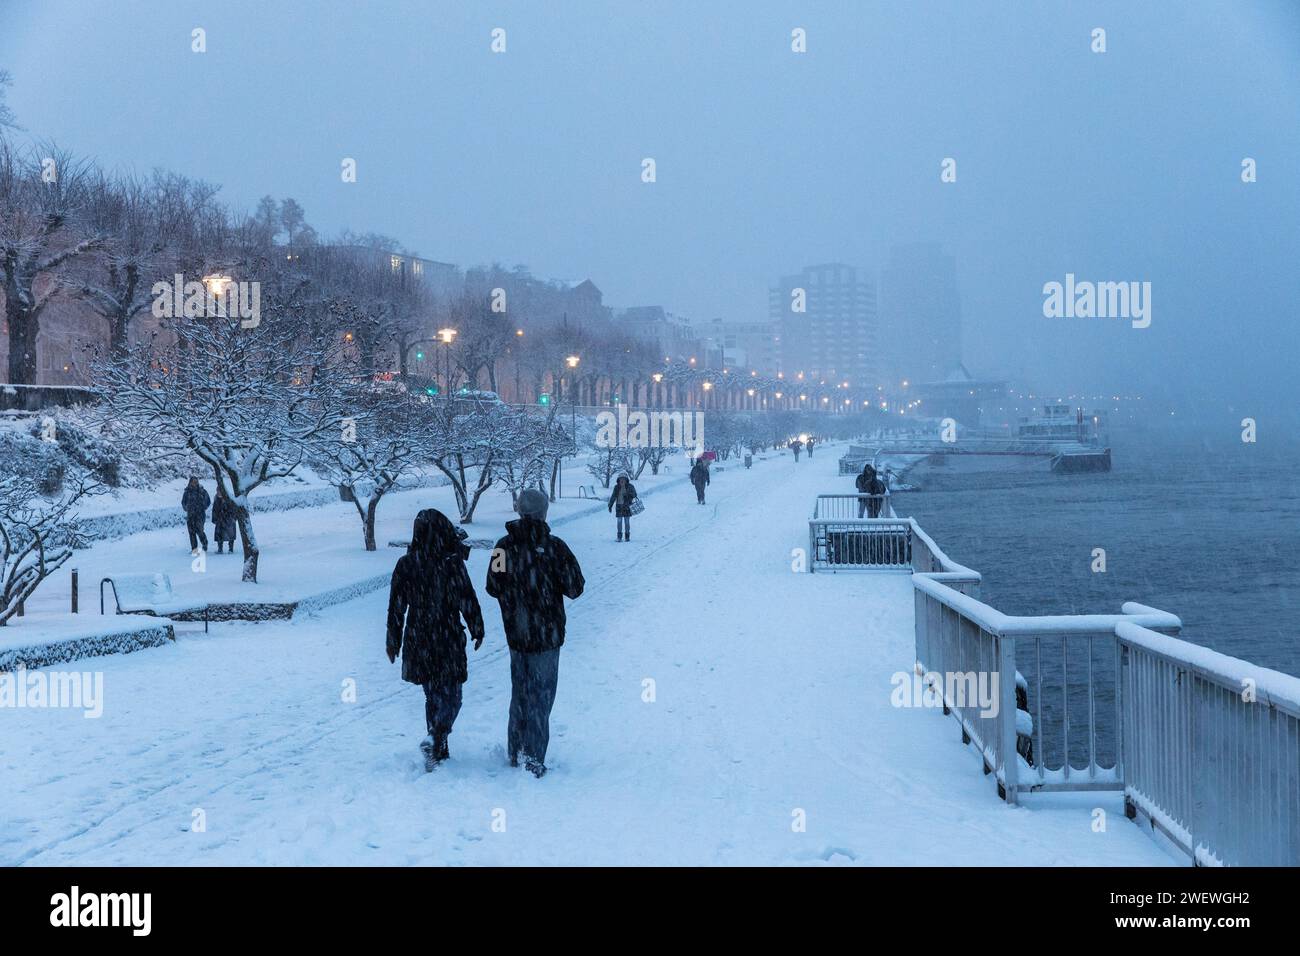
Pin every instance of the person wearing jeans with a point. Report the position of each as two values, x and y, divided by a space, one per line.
530 574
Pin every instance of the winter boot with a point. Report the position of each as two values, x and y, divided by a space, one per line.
430 751
535 767
619 538
440 747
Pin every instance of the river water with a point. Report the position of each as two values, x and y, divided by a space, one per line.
1208 530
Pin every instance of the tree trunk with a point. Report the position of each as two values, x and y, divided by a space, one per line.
248 541
24 324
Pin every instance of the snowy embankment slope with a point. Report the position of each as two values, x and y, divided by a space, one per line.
772 696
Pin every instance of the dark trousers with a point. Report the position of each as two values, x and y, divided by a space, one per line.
194 525
441 705
625 525
533 678
699 493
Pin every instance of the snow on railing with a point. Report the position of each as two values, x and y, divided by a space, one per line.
843 535
1205 747
1211 749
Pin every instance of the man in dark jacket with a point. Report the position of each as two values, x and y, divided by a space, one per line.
812 443
699 478
430 594
195 502
869 483
530 574
796 446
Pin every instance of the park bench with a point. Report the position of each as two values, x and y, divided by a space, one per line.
147 594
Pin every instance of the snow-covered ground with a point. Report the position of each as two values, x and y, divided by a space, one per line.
771 702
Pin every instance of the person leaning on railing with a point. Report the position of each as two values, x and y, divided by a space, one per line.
869 484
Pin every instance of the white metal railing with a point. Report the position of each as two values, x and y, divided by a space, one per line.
1211 749
1060 662
855 532
1205 747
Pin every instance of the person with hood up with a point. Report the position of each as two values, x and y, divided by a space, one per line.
530 574
796 446
223 520
812 443
699 478
620 502
430 594
869 483
194 502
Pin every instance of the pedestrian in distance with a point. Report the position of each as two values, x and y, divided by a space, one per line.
620 502
430 595
530 574
811 442
194 502
223 520
796 446
699 478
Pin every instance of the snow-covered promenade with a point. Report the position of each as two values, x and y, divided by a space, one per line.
771 705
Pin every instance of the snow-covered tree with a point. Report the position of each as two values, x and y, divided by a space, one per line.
608 461
248 402
388 436
43 196
38 535
532 452
140 220
469 440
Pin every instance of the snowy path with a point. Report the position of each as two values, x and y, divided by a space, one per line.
772 695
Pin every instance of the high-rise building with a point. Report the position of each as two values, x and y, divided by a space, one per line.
749 345
824 320
920 314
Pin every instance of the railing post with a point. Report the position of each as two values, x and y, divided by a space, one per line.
1007 716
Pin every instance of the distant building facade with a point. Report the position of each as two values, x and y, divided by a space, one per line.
675 338
835 335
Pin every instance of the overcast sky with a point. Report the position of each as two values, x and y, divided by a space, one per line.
1117 166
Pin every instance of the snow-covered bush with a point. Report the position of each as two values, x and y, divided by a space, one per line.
38 533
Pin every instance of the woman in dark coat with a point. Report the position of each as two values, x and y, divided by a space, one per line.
223 520
430 594
620 502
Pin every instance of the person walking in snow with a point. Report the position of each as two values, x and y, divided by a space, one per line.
796 446
223 519
699 478
429 596
620 502
530 574
811 442
195 503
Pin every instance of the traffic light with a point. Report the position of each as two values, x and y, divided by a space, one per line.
419 356
431 390
543 399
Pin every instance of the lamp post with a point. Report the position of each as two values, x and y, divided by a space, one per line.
446 337
659 395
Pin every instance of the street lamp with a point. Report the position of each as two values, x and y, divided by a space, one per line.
446 337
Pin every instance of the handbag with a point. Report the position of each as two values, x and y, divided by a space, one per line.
636 507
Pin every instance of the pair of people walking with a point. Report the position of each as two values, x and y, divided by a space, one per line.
530 574
622 501
194 502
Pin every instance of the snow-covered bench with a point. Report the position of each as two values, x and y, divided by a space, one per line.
147 594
